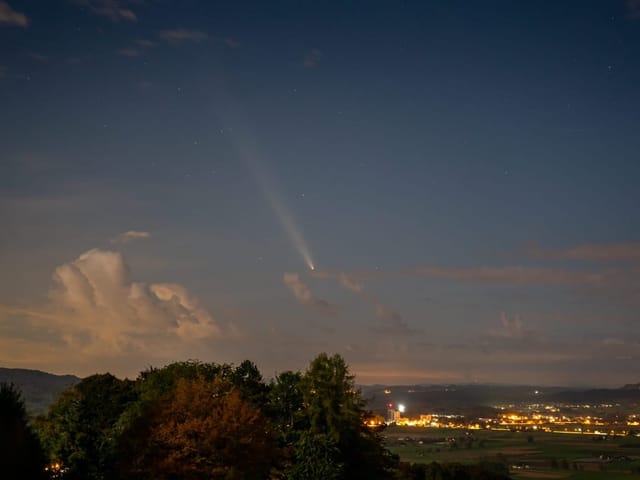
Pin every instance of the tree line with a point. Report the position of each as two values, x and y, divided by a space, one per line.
194 420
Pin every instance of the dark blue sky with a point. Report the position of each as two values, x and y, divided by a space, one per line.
463 177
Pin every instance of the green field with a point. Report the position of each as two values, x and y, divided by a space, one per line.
528 454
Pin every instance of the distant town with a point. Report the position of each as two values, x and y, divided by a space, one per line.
599 418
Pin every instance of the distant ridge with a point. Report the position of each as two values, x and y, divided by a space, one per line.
39 389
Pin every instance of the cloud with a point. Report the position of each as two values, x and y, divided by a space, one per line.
633 9
303 294
129 236
591 252
512 275
182 35
312 58
231 42
96 309
140 48
114 10
512 328
9 16
349 284
38 57
390 321
130 52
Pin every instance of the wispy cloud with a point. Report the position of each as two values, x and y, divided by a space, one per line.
9 16
304 295
511 275
130 52
139 48
130 235
38 57
590 252
349 284
512 328
390 322
231 42
182 35
114 10
312 58
633 9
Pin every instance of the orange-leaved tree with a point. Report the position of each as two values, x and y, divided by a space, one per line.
205 429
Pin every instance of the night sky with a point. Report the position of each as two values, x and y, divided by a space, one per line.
440 191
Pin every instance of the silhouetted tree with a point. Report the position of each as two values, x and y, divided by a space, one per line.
335 408
21 455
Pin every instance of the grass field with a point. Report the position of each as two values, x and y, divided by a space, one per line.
534 455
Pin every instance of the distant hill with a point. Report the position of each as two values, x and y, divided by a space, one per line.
462 399
39 389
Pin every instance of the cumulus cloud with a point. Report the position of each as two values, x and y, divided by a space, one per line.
182 35
129 236
304 295
312 58
9 16
114 10
96 309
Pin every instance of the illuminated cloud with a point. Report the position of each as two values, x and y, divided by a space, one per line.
312 58
114 10
182 35
96 310
9 16
304 295
129 236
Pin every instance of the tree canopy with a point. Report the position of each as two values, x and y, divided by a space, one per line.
194 420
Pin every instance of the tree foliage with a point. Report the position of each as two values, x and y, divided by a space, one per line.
206 430
194 420
336 409
21 455
78 430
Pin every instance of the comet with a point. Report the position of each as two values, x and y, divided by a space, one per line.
249 154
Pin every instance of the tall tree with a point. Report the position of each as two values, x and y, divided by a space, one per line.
21 455
336 409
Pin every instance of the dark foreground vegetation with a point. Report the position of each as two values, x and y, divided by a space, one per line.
194 420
